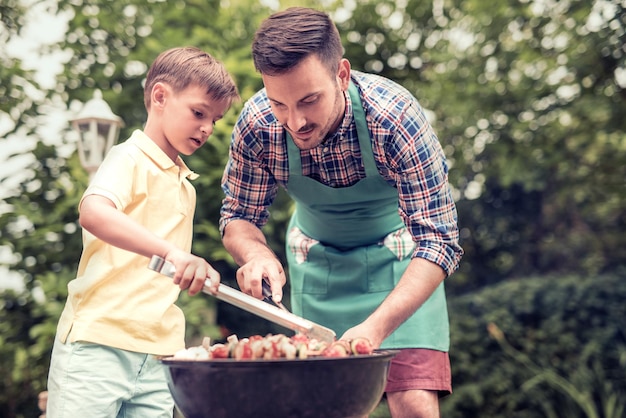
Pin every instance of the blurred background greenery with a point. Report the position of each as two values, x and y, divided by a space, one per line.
529 101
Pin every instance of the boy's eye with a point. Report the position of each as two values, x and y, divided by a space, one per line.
197 113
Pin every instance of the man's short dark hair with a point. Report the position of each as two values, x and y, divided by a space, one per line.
286 38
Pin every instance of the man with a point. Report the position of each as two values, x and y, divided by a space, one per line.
374 232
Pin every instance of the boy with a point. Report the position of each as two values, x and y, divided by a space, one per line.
119 314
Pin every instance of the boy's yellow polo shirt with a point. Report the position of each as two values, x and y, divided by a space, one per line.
115 299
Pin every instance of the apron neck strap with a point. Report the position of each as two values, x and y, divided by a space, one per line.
365 143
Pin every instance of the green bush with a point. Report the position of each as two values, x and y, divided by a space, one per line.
540 347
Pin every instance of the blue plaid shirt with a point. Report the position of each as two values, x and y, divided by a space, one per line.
406 150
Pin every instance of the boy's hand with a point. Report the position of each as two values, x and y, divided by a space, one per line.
192 272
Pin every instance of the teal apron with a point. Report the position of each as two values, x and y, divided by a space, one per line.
345 271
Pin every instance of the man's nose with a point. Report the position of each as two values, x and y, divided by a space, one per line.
296 120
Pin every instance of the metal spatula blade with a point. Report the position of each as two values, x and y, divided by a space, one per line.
280 316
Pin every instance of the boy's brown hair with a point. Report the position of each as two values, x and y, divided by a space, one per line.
185 66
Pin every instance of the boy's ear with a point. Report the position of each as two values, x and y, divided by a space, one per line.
159 94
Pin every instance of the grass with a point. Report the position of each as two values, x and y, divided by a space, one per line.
381 411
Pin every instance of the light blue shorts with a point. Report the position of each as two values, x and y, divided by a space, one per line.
97 381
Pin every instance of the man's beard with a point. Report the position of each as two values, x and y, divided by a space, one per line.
320 134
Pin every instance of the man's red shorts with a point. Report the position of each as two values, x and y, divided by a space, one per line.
419 368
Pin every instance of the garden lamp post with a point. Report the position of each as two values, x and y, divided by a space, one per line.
98 129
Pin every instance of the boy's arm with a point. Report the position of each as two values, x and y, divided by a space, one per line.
99 216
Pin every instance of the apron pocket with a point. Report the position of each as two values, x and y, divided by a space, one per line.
383 269
388 260
308 271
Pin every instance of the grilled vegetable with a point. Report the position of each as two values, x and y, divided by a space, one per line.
274 346
361 345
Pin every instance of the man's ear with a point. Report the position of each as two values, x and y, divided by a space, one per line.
343 74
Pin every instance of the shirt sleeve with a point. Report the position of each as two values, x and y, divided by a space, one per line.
113 179
425 200
247 183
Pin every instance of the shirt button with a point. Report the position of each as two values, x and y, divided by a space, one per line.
325 149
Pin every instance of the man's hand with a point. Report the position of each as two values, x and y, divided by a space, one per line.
364 330
247 245
250 275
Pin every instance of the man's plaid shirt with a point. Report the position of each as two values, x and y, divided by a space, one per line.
406 150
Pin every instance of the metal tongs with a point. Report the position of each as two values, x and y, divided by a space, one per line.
274 312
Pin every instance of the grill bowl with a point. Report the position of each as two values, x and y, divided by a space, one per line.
314 387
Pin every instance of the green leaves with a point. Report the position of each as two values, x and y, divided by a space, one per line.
528 102
545 346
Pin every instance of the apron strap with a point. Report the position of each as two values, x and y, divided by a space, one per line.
365 143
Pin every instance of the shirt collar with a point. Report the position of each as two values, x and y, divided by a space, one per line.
152 150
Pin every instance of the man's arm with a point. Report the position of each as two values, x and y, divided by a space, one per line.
248 246
418 282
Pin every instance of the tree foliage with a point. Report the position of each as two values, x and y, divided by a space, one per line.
17 107
43 232
527 98
528 101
